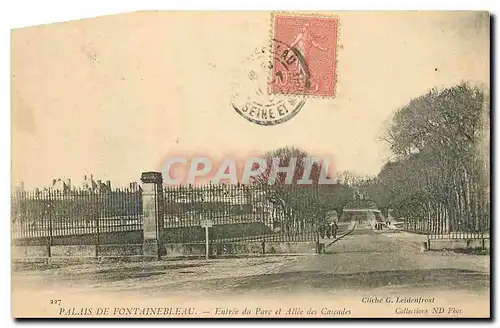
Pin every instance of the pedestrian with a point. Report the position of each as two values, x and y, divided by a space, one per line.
329 231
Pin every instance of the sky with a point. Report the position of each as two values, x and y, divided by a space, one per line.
115 96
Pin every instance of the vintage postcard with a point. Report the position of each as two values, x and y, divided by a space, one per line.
252 165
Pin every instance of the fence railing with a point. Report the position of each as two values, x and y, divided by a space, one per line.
240 212
477 227
78 216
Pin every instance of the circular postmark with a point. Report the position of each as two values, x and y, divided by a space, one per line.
261 91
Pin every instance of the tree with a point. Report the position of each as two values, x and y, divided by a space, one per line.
350 178
284 155
440 178
302 206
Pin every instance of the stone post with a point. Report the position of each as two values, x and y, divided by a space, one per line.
152 211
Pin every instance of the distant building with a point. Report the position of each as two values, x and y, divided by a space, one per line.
60 185
102 187
89 184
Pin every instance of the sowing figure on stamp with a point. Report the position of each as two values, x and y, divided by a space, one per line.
304 42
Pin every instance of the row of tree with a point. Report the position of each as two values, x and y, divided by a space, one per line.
438 180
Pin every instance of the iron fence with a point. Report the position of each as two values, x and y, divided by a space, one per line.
266 213
477 227
75 217
240 212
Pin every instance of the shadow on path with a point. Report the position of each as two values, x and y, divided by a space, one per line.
436 279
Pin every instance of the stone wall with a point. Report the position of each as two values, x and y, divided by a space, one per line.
75 251
238 248
436 244
184 250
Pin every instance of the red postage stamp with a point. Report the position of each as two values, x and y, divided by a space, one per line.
304 55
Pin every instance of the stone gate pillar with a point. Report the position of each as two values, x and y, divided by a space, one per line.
152 211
